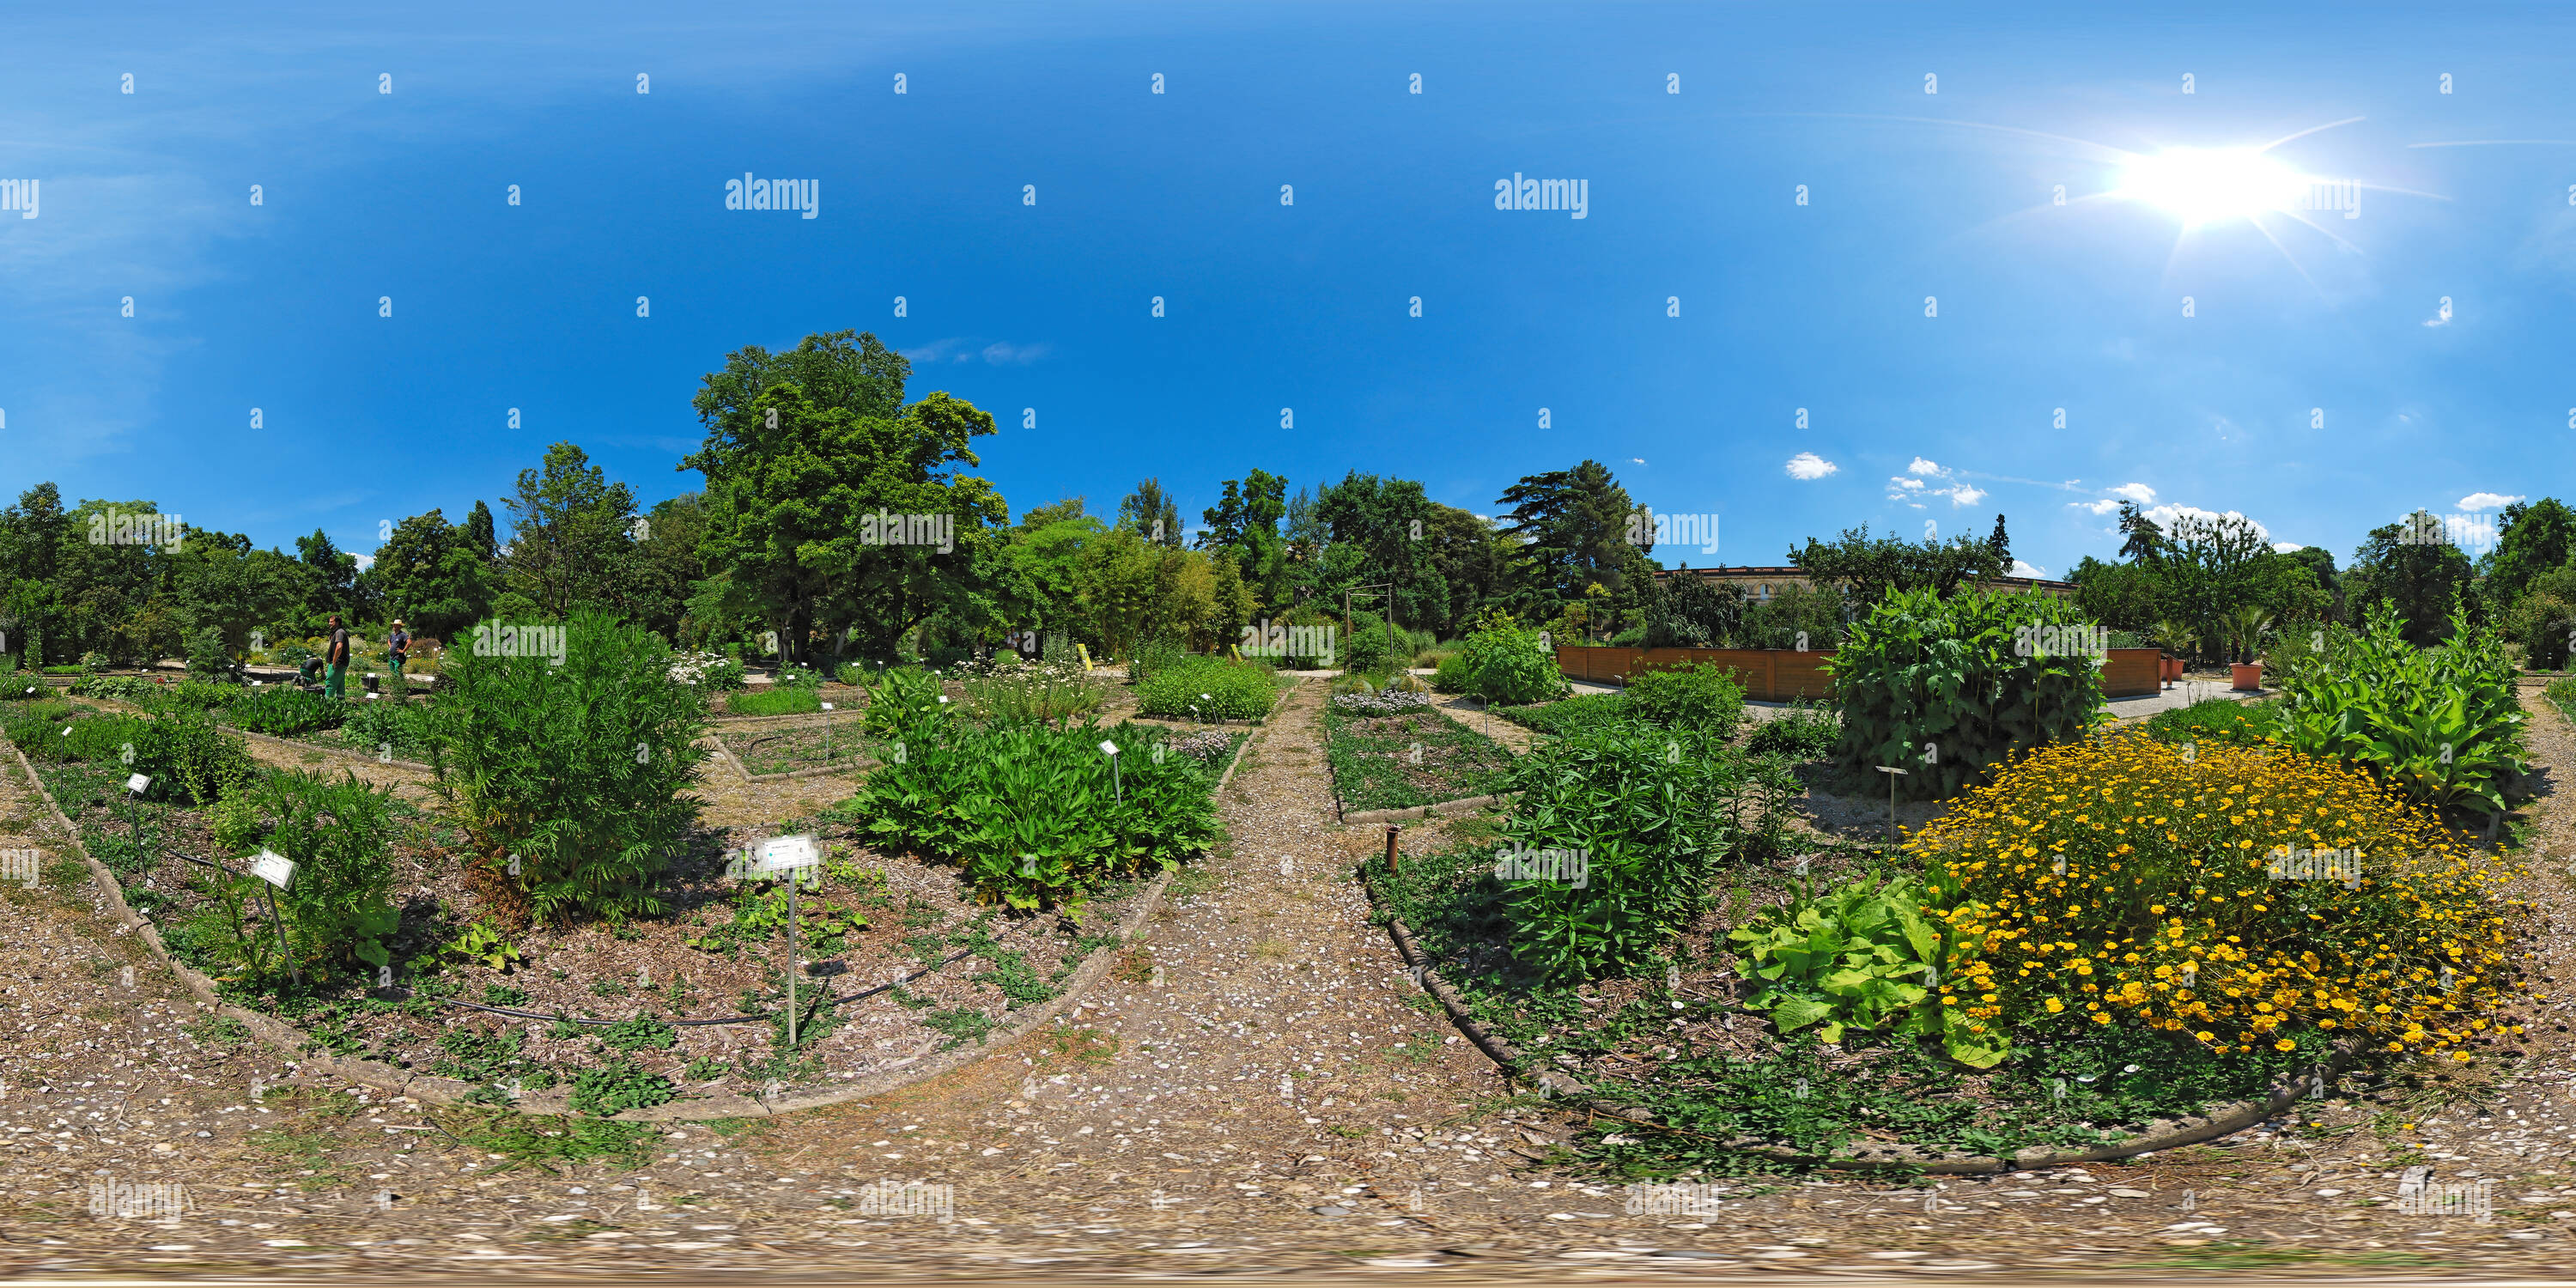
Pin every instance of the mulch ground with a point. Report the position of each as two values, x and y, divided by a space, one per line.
1257 1089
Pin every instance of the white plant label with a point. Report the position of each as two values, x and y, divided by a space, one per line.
1108 748
138 783
787 854
273 868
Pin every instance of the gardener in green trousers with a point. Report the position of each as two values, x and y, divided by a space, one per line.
335 655
398 645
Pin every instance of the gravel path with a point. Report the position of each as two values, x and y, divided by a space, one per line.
1258 1088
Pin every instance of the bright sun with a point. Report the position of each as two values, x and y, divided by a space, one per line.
2206 185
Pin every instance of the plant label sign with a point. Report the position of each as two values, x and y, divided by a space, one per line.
782 854
273 868
138 783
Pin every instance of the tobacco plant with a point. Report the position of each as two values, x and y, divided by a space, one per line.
2440 725
1933 685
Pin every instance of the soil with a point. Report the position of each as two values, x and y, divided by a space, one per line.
1432 756
1149 1135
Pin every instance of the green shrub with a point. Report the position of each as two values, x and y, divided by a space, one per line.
2440 724
107 738
1935 686
1704 697
1154 653
132 689
1862 955
338 907
1210 688
184 754
396 729
285 711
201 695
1507 665
903 701
208 659
2563 692
1803 732
1370 650
2216 720
577 769
1449 674
1650 812
1582 711
1031 813
792 676
781 701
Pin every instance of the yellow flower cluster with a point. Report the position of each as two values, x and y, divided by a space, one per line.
2119 881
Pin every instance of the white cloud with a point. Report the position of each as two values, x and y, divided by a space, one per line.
2285 547
1636 460
999 353
2165 516
2097 507
2486 501
2138 492
1907 490
1808 465
2025 568
365 562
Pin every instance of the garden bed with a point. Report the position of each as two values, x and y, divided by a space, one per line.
1727 1064
1416 757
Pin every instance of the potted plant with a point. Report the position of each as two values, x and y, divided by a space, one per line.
2177 638
2247 625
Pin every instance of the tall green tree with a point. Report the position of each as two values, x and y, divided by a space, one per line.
1244 526
2531 539
815 508
1377 534
1152 513
1573 531
2408 564
572 536
1867 567
429 574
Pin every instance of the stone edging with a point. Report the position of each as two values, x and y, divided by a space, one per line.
1437 809
438 1090
2161 1134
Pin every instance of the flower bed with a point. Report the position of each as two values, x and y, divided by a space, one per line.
2108 933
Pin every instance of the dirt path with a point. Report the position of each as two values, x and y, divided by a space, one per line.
1471 713
1258 1088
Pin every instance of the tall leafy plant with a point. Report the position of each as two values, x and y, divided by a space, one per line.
568 777
1650 812
1944 686
2438 724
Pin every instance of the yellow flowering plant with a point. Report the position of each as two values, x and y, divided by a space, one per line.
2243 897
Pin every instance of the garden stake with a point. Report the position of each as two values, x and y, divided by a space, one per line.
795 877
1391 830
1893 774
292 969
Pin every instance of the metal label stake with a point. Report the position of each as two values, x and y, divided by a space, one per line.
790 856
276 869
1893 774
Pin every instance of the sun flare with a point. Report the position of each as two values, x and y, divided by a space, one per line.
2210 185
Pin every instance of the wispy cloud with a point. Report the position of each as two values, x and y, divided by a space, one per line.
1911 489
998 353
2486 501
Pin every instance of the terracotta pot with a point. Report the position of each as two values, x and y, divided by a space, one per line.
2249 675
2170 668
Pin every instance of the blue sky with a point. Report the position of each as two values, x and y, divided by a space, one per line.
2295 315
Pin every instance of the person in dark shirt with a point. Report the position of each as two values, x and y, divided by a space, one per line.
398 645
335 657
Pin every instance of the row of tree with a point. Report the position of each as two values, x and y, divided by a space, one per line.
844 518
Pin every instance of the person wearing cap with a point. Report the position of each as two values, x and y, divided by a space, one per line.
398 645
335 658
